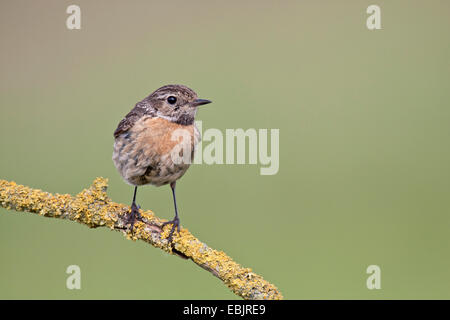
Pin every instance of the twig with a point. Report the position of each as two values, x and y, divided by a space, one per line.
93 208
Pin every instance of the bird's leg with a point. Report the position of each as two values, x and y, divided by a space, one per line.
134 214
176 221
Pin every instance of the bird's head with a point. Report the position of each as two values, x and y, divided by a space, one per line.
176 103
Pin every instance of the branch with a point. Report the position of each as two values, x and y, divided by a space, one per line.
93 208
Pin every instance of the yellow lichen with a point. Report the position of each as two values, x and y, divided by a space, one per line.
93 208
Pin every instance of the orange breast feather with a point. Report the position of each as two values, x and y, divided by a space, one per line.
161 135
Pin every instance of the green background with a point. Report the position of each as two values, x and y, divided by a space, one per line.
364 144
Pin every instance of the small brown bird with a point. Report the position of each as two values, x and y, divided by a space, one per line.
146 138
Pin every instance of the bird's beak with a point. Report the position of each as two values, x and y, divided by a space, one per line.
199 102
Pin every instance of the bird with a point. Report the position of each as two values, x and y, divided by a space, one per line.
147 145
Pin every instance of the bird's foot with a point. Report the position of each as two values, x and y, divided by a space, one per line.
175 224
133 216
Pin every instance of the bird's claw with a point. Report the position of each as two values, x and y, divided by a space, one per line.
133 216
175 224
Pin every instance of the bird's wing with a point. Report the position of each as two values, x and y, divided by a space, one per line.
130 119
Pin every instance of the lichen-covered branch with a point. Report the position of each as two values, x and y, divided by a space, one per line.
93 208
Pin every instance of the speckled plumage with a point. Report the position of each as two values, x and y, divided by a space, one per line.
155 142
143 153
145 138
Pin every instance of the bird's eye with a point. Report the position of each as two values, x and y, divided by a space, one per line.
171 100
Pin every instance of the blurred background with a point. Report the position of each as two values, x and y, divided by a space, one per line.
363 115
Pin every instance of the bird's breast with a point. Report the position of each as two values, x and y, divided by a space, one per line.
155 151
163 136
